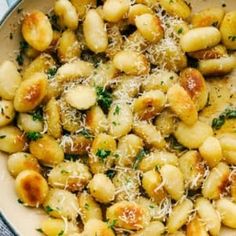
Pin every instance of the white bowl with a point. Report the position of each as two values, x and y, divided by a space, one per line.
24 221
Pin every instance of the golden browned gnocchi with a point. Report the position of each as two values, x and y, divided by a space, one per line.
7 112
47 150
73 176
9 86
115 122
31 188
67 14
31 93
89 208
20 161
102 188
61 203
128 215
94 21
37 30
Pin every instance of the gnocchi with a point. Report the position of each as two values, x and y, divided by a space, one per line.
37 30
113 118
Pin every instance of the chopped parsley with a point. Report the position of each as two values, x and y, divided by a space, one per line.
64 172
32 135
20 201
37 115
117 110
40 230
112 224
86 133
2 136
110 173
174 144
48 209
86 206
218 122
139 158
20 57
232 38
61 233
103 154
104 98
180 31
51 72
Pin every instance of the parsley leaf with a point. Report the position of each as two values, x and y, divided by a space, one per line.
48 209
51 72
104 98
232 38
103 154
20 201
32 135
61 233
20 57
139 158
2 136
180 31
117 110
112 224
40 230
86 133
37 115
218 122
110 173
174 144
86 206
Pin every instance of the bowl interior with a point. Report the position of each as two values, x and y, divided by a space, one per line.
25 220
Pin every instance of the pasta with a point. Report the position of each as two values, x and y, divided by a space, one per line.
115 123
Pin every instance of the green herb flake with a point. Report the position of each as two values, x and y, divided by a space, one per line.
232 38
20 59
171 77
218 122
32 135
51 72
20 201
2 136
37 115
103 154
64 172
61 233
86 133
40 230
112 224
174 144
48 209
180 31
117 110
104 98
151 206
110 173
86 206
139 158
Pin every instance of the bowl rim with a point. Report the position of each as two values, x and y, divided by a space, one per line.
9 11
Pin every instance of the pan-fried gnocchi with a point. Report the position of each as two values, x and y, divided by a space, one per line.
115 123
